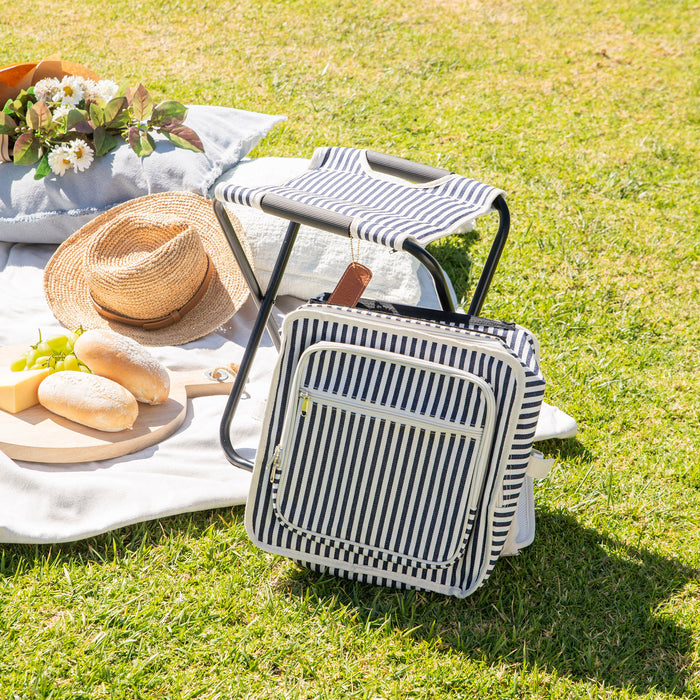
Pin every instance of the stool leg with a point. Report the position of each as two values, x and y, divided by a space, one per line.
245 267
236 247
487 272
493 258
429 262
261 322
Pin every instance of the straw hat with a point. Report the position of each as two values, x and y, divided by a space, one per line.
157 269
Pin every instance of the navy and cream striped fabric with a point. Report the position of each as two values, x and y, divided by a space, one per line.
395 449
358 408
382 210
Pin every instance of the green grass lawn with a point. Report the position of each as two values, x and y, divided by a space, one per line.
588 116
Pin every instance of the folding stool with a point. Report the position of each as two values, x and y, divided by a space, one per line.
366 195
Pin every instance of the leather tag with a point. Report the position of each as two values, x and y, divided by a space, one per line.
351 285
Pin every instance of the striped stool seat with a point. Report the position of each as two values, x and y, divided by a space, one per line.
373 206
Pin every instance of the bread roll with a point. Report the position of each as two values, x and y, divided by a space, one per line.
90 400
125 361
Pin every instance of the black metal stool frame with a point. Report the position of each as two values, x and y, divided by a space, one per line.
316 217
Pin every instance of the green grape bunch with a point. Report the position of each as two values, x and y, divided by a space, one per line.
55 353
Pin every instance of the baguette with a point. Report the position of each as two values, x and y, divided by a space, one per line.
90 400
126 362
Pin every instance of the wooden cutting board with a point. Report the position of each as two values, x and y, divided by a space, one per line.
37 435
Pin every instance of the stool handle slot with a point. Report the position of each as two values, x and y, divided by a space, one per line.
402 167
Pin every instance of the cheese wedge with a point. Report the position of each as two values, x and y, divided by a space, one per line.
18 390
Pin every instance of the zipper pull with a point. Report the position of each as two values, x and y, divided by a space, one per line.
275 462
304 403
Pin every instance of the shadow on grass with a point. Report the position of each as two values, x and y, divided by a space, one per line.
569 449
576 602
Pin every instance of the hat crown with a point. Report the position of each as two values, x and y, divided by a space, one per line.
157 268
142 268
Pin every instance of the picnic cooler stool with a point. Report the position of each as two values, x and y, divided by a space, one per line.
396 446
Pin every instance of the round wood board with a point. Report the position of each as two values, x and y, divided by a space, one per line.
37 435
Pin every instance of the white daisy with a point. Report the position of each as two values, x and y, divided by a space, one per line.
82 154
61 111
46 88
89 89
71 89
107 89
61 159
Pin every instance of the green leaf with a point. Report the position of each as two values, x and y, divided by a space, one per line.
22 102
7 124
142 104
27 149
169 112
38 116
183 137
141 142
43 169
114 110
104 141
121 122
75 117
97 115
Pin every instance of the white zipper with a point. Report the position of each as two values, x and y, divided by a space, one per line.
302 396
358 406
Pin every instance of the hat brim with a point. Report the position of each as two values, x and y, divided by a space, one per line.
67 291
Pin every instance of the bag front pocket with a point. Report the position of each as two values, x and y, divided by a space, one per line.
383 454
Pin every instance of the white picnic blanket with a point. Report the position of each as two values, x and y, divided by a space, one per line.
188 471
44 503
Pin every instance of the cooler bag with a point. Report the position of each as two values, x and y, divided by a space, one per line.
396 447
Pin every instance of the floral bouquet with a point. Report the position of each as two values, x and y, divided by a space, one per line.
63 124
